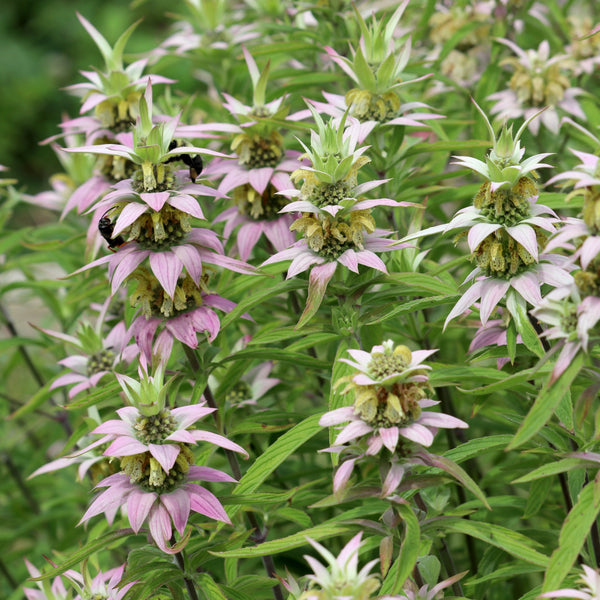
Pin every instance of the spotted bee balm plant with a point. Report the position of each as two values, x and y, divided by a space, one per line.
311 284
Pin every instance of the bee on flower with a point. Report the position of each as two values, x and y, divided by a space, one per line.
258 169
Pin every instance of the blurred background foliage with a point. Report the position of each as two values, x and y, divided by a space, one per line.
43 47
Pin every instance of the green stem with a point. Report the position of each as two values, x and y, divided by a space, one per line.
259 536
62 416
564 486
445 552
16 475
7 574
189 584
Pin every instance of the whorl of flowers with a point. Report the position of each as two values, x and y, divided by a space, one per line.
336 224
151 217
572 320
339 578
589 588
573 312
388 388
115 93
538 81
470 54
507 240
391 390
507 229
259 144
377 67
154 444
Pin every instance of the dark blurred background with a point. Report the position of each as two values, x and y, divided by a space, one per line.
42 48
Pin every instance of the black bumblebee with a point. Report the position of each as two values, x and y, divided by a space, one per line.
106 228
193 162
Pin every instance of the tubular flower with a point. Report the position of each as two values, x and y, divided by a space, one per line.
159 434
468 58
377 66
98 355
589 590
252 386
154 443
259 168
336 222
411 592
573 322
150 427
114 94
104 586
388 416
340 578
584 48
47 590
154 209
390 392
585 179
537 81
211 27
88 458
182 317
169 261
163 502
507 230
494 333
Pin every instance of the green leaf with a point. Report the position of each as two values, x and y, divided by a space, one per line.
409 552
106 392
209 588
450 146
340 369
35 401
511 341
379 315
513 542
102 543
422 282
476 447
564 411
295 516
525 328
263 294
573 535
274 455
281 334
277 354
297 540
553 468
546 402
537 497
458 473
506 573
314 340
